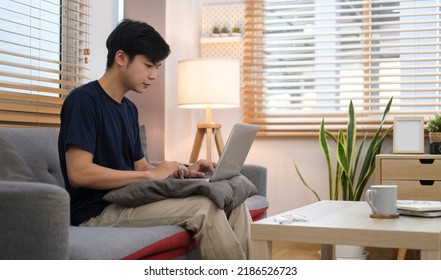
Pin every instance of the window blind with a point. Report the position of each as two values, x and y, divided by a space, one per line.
304 60
43 49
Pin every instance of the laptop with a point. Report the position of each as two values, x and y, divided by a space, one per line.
234 153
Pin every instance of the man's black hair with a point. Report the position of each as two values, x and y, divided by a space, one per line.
134 38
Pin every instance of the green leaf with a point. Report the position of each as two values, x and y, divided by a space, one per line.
304 182
337 184
351 135
342 152
326 151
370 166
386 111
357 159
373 150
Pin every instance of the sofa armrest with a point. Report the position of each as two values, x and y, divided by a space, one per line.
35 221
257 174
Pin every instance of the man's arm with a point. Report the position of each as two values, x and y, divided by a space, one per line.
143 165
83 172
197 170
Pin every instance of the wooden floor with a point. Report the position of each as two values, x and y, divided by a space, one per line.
298 251
295 251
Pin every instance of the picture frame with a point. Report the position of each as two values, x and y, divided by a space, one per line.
408 135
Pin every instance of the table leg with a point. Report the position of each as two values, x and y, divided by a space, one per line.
327 252
401 254
430 255
261 250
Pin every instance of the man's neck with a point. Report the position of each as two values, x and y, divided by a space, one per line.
112 86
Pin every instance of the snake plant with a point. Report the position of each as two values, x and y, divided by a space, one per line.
345 181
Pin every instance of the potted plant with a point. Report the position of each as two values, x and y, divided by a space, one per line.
345 180
434 129
224 31
236 31
215 31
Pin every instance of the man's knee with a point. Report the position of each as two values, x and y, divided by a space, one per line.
208 212
205 203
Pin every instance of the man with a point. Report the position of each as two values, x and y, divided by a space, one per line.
100 150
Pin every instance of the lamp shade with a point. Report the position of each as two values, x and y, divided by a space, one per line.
208 83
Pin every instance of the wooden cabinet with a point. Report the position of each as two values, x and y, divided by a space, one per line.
418 177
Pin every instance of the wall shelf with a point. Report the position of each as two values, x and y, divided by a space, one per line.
215 40
230 47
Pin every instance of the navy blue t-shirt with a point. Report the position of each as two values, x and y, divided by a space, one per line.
109 130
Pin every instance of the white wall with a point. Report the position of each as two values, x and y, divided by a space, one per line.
104 18
181 18
285 191
151 104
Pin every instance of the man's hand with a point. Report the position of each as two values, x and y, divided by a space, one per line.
173 168
199 168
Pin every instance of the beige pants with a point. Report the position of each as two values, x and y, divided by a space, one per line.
219 235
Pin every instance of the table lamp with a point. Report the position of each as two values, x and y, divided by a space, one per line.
208 84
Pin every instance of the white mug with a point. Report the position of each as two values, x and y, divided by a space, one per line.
382 199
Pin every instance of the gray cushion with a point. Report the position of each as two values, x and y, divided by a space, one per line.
226 194
38 148
12 167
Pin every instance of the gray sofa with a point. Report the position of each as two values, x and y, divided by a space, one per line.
35 215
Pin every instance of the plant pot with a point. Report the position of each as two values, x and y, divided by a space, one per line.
350 252
434 137
435 142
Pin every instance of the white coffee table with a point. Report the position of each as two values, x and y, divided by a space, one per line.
347 223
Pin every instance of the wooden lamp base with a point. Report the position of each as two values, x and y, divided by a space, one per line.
208 129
